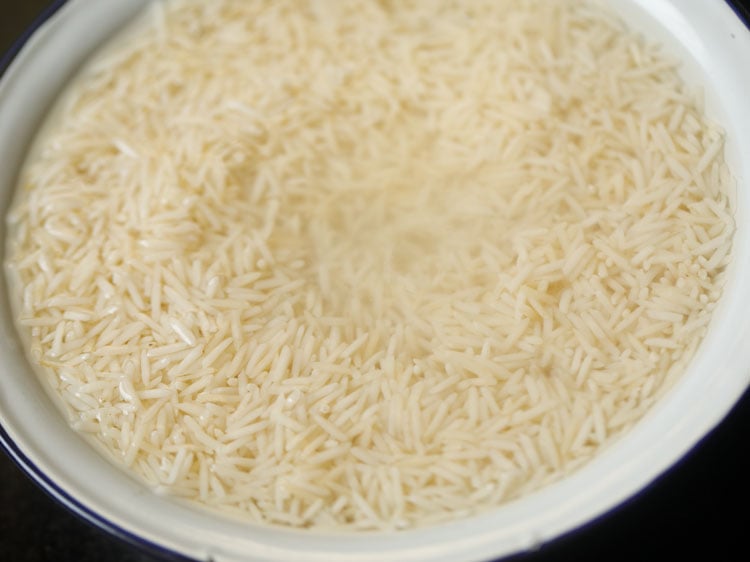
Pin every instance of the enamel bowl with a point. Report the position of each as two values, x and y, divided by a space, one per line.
715 47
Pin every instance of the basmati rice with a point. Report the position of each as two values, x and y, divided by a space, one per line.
366 264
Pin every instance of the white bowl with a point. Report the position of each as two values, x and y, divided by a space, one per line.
715 46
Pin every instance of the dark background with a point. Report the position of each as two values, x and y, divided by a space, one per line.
697 511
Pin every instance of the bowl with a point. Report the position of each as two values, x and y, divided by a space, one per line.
715 48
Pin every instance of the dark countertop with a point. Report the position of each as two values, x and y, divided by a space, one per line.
698 509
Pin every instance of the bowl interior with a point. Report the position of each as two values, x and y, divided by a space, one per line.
715 47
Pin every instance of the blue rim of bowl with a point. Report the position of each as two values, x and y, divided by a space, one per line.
7 57
739 7
78 509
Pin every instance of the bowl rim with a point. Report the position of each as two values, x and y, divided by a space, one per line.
14 59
